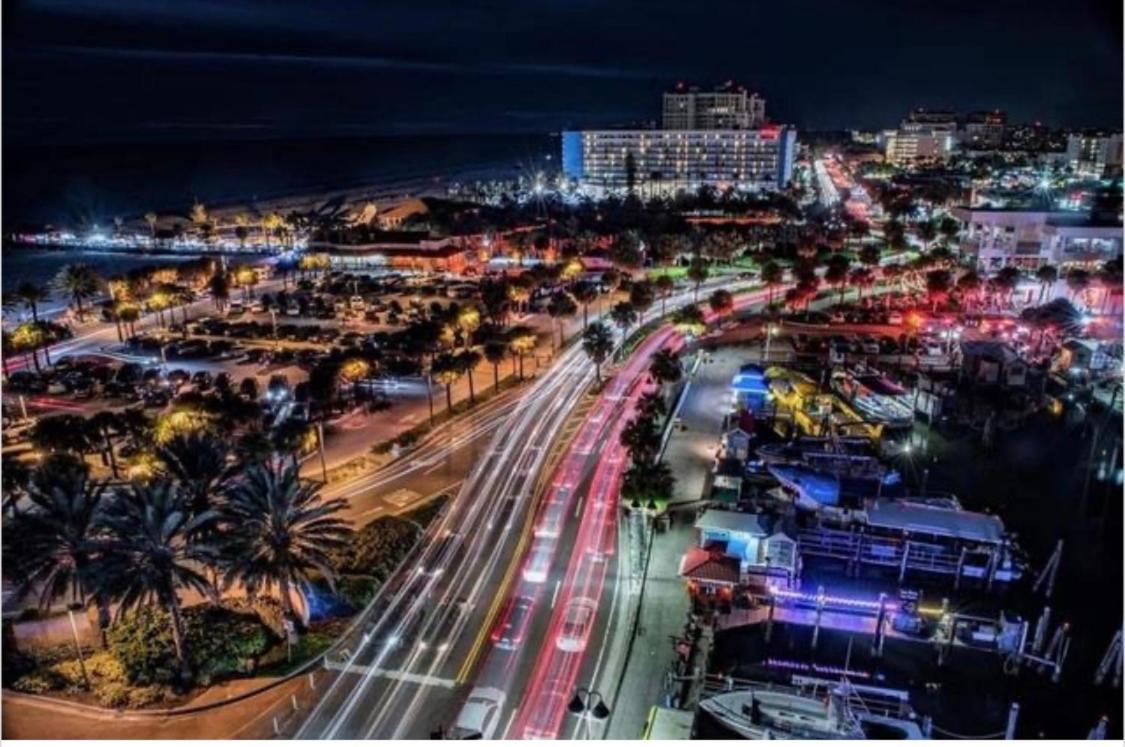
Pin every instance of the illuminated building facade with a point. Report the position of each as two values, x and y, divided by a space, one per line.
728 107
667 161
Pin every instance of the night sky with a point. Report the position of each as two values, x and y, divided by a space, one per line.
136 70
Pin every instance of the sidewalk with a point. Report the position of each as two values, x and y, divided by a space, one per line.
665 604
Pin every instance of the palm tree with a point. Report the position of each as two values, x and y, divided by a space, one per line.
642 439
837 273
28 295
494 352
597 341
938 283
1110 278
641 297
50 546
721 302
1047 275
561 305
665 367
468 360
772 275
624 316
927 232
689 320
969 283
585 293
446 368
150 219
100 425
281 531
861 277
198 462
869 255
1077 280
664 287
644 484
151 553
79 281
697 273
521 341
219 285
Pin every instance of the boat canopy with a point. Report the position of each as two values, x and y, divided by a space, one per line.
936 521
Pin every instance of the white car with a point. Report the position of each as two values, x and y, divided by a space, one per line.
894 318
480 716
539 560
257 307
577 621
292 310
357 303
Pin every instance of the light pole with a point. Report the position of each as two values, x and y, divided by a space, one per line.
273 319
588 703
770 330
77 645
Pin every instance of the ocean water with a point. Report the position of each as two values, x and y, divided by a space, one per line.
92 184
89 185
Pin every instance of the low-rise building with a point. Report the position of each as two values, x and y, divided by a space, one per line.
401 250
993 362
1028 239
1094 154
732 542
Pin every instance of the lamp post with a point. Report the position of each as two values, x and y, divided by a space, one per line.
588 703
273 320
770 330
78 646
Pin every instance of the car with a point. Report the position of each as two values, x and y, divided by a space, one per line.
512 623
357 303
538 562
576 624
156 397
448 552
257 307
235 309
479 718
870 346
202 380
178 377
895 318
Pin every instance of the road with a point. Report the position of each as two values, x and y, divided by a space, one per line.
401 675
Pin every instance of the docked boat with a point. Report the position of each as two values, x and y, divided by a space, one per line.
874 396
778 712
814 412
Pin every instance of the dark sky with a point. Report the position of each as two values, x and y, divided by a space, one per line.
130 70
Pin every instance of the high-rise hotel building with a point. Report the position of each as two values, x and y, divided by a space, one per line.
706 144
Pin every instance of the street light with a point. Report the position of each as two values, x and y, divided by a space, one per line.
770 330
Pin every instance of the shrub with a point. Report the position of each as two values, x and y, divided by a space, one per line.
222 642
102 667
38 682
140 697
376 549
357 591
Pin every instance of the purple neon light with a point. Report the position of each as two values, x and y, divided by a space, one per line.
802 596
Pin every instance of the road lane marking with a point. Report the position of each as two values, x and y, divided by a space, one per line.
508 726
418 679
555 595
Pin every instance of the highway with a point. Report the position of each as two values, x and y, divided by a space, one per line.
401 675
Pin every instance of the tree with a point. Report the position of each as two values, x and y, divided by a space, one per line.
689 320
1077 280
150 554
468 321
642 439
950 229
198 463
446 369
521 341
494 352
598 344
861 277
646 484
869 255
1110 277
561 305
664 287
772 275
151 218
1047 275
469 360
697 273
938 284
50 546
28 295
1006 280
969 283
837 273
665 367
927 232
641 297
721 302
281 531
79 281
59 433
624 316
585 293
